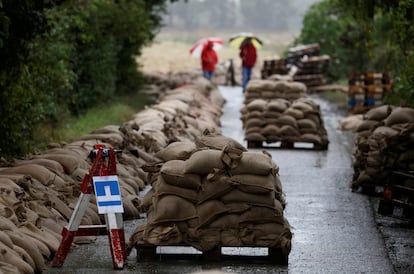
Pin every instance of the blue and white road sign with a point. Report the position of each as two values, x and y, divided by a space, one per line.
108 194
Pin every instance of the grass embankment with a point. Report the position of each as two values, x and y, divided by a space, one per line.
116 112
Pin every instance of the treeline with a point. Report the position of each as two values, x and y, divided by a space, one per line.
366 35
60 57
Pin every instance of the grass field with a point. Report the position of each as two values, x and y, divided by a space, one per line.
170 50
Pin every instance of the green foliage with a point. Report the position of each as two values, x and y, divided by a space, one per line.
338 35
366 35
62 57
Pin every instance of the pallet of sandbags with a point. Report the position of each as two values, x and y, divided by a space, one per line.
384 143
398 194
212 194
278 87
280 123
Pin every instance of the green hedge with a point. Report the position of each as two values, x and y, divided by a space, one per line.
60 58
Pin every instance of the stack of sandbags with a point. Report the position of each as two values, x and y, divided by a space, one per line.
180 114
269 89
214 193
40 191
157 82
282 120
385 143
38 195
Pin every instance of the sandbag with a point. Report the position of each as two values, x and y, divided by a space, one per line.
172 208
202 162
173 172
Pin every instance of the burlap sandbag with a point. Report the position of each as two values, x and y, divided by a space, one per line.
257 105
270 130
378 113
306 123
180 150
230 237
172 208
40 173
173 172
270 115
316 118
382 132
400 115
303 106
231 156
287 120
254 136
289 131
9 255
254 114
253 130
48 163
279 105
237 196
214 187
256 163
260 215
202 162
311 138
204 239
368 125
257 184
226 221
163 234
209 210
217 141
255 122
162 188
295 113
271 234
68 161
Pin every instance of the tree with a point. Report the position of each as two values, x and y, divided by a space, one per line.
64 56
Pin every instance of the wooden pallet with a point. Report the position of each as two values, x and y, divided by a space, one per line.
287 145
148 253
397 196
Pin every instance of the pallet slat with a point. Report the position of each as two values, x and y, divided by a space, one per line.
287 145
148 253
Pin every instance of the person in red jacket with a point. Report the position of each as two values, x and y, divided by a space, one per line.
209 60
248 56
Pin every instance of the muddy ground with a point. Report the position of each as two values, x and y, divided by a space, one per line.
335 230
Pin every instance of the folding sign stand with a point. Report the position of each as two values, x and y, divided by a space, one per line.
105 182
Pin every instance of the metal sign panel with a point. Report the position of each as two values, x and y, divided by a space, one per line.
108 194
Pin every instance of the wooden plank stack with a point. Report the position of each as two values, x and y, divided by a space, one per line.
367 90
303 62
274 66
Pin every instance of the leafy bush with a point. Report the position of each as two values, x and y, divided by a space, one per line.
61 57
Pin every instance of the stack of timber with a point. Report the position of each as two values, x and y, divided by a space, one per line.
367 90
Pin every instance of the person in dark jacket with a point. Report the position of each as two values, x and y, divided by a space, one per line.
209 60
248 56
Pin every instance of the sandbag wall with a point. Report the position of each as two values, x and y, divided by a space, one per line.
40 191
274 89
384 143
278 111
214 193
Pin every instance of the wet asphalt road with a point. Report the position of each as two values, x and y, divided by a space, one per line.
334 228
